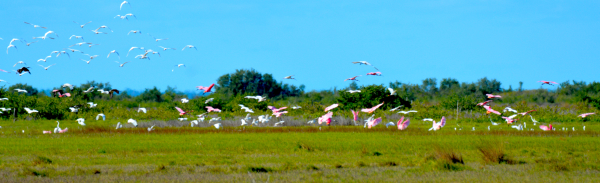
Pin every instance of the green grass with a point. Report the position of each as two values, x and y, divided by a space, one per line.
98 152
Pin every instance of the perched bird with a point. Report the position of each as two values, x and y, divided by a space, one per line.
182 119
119 125
354 115
439 125
206 89
352 78
364 63
278 123
81 25
101 115
518 127
74 109
547 82
132 121
333 106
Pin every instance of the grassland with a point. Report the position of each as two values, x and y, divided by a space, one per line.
100 153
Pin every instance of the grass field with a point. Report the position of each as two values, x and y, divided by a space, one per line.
100 153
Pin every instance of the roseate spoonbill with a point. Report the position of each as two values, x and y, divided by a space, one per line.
546 128
374 122
101 115
407 112
439 125
585 115
274 109
364 63
402 125
206 89
29 111
81 25
211 109
547 82
63 131
333 106
46 132
510 119
392 91
490 110
352 78
493 96
510 110
372 109
189 46
524 113
132 121
35 26
354 116
289 77
81 121
124 2
181 111
374 73
279 113
353 91
259 98
325 118
217 126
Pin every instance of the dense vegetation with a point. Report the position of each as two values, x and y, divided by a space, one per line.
449 97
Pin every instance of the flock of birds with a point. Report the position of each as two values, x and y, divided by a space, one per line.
261 120
147 53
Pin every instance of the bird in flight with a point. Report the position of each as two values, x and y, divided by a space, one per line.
374 73
121 65
289 77
547 82
165 49
437 126
206 89
364 63
81 25
35 26
353 91
22 70
19 62
157 38
46 68
493 96
43 60
114 51
189 46
352 78
134 31
402 125
124 2
104 27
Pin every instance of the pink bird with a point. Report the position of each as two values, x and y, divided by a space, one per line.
206 89
546 128
438 125
181 112
374 73
355 115
47 132
493 96
63 131
326 118
4 71
211 109
372 109
585 115
374 122
331 107
279 113
352 78
64 95
275 109
509 120
490 110
525 113
483 103
402 125
547 82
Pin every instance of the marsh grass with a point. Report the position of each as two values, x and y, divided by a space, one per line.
492 152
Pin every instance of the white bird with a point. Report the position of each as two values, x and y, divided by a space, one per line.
493 123
5 109
73 109
244 122
10 46
20 91
488 128
218 125
78 44
189 46
396 108
29 111
77 37
406 112
194 122
57 129
19 62
131 15
43 60
114 51
157 38
214 119
182 119
209 100
392 91
103 27
278 123
141 109
390 124
86 61
259 98
119 125
134 31
201 117
354 91
121 64
364 63
90 89
151 128
67 85
473 129
46 68
124 2
26 43
132 121
81 121
246 109
35 26
296 107
101 115
143 56
179 65
184 100
518 127
533 120
92 105
289 77
509 109
64 53
165 49
427 119
82 25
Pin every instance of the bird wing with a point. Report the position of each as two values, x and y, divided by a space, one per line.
180 110
331 107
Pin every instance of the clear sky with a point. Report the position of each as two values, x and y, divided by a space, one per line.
316 41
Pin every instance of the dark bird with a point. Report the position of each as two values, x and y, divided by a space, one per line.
55 92
23 69
113 91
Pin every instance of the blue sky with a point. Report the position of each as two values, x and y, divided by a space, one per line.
316 41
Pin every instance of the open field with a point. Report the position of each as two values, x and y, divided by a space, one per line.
98 152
